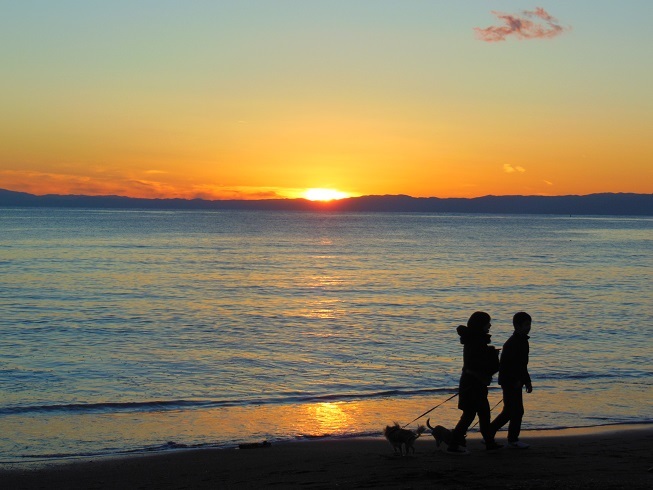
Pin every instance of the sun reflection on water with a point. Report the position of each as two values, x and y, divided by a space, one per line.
329 418
323 309
325 280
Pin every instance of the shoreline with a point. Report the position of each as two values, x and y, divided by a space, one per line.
613 456
40 462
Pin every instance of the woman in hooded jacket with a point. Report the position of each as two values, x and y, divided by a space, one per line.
480 362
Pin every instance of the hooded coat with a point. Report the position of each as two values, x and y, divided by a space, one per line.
480 362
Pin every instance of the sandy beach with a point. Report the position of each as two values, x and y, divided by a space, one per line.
607 457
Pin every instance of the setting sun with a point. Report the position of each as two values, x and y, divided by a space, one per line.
324 194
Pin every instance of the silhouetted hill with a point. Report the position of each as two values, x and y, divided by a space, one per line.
592 204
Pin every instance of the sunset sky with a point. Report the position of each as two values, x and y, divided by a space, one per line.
268 98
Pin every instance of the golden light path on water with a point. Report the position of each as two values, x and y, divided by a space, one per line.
327 417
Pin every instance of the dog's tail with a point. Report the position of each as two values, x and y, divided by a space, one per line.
428 424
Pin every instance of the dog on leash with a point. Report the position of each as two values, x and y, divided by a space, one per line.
402 438
440 434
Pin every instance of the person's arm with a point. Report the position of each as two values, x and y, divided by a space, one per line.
526 375
528 384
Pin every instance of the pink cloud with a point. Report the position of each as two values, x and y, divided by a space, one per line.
529 24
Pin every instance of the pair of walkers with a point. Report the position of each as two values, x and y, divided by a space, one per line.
480 362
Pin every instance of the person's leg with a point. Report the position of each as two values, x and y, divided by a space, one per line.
458 433
484 423
503 418
516 406
467 401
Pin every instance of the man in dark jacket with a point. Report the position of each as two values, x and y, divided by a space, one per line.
480 362
513 377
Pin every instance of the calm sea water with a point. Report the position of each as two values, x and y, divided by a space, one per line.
145 330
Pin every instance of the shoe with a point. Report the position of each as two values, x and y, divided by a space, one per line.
492 446
518 445
457 450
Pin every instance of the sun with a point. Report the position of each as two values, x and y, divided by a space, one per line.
319 194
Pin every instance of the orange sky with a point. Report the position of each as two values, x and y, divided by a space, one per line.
267 99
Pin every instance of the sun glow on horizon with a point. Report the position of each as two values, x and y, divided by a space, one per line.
320 194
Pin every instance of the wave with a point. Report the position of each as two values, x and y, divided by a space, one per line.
630 375
166 405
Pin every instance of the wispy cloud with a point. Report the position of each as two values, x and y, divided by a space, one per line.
40 183
132 185
528 24
509 169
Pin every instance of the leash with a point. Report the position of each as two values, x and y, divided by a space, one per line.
476 423
442 403
429 411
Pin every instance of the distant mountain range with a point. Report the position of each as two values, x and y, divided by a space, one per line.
592 204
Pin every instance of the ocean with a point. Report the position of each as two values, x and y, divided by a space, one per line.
129 331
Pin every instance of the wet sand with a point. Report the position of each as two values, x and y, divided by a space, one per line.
612 457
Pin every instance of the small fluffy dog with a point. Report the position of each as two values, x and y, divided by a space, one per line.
440 434
400 438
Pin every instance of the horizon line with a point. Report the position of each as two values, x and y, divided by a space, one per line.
323 201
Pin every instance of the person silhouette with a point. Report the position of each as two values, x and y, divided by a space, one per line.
480 362
513 377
